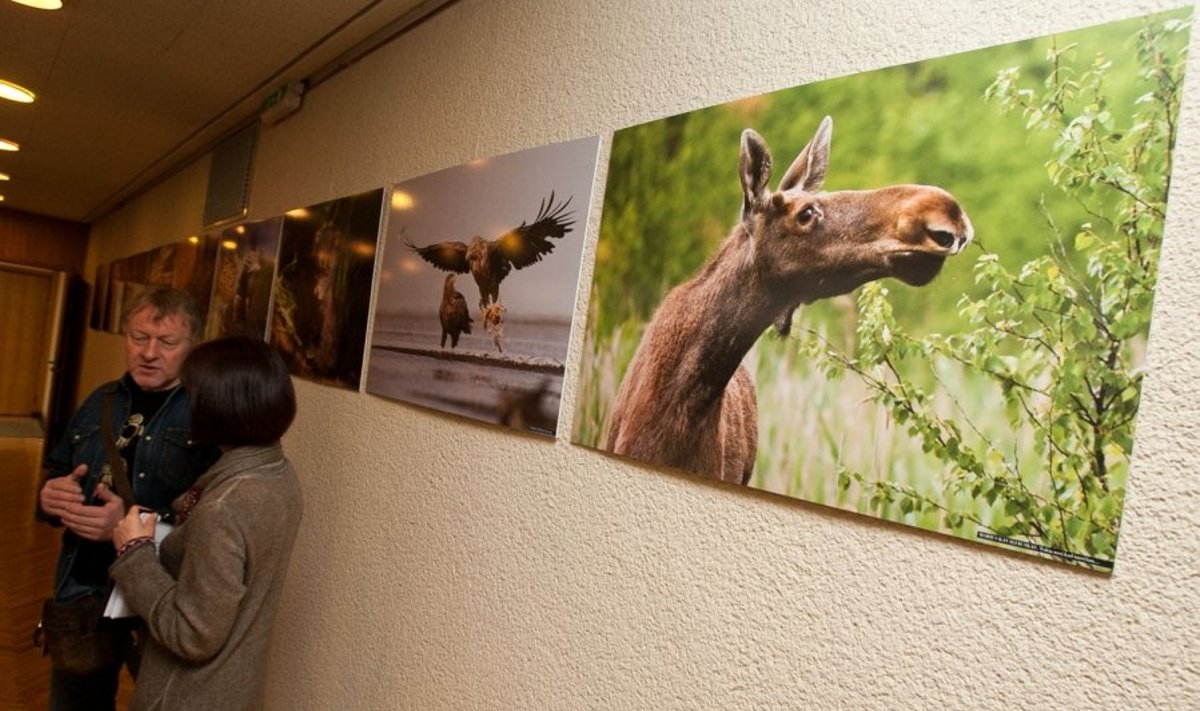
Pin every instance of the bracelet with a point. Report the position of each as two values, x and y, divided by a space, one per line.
133 543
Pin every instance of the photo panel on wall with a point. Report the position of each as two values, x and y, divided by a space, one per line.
187 265
195 264
245 273
322 292
478 284
930 307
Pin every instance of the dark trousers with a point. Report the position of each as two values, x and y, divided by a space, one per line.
98 691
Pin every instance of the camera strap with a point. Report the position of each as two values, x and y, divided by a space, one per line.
116 463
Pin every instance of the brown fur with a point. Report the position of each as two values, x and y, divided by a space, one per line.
687 401
453 313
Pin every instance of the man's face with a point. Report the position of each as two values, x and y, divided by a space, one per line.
155 348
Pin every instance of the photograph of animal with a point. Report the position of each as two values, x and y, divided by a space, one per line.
686 400
872 348
453 313
435 347
245 275
490 261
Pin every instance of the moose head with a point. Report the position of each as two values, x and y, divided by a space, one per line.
812 245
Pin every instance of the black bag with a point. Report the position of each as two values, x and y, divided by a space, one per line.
72 635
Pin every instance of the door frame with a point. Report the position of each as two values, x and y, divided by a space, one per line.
53 340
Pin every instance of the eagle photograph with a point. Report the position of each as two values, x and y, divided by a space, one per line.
490 260
477 285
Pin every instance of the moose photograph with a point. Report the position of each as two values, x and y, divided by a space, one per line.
478 282
921 293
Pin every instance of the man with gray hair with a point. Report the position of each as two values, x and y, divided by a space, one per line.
149 418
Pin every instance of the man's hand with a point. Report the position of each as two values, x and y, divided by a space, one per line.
95 523
62 492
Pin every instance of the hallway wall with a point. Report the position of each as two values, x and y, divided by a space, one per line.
444 564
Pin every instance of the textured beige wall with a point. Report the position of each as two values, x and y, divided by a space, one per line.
444 564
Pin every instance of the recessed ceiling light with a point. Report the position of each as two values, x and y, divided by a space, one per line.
5 176
15 92
7 145
1 198
41 4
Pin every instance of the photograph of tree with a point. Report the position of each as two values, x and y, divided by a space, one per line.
245 271
933 313
322 291
478 283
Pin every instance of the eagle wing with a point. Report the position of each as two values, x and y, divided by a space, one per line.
525 245
447 256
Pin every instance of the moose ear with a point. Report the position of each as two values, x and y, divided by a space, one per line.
808 170
755 169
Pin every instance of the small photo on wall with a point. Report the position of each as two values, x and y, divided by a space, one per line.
478 284
186 265
195 262
934 313
245 273
127 278
322 291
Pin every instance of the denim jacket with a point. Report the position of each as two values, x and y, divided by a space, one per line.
166 463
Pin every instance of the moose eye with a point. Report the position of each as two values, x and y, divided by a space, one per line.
806 216
943 238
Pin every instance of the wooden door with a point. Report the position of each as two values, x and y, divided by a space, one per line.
28 332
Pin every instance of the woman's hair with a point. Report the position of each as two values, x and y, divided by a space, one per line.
240 390
166 302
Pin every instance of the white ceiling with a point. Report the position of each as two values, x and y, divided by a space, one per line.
131 90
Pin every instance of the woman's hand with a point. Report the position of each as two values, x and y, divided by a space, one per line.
134 525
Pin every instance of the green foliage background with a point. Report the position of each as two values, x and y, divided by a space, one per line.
673 195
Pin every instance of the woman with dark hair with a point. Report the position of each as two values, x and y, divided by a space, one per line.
210 594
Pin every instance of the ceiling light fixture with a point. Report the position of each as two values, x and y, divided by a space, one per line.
5 176
7 145
15 92
41 4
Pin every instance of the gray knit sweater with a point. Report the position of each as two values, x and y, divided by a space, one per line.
210 596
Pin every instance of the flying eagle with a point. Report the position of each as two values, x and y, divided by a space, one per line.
489 261
455 319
